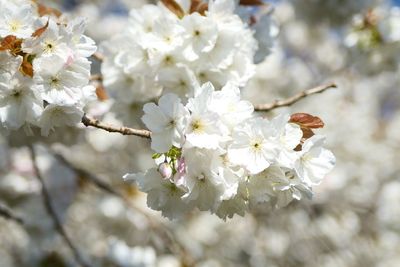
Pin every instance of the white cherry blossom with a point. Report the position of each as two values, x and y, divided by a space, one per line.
315 161
16 20
167 121
253 145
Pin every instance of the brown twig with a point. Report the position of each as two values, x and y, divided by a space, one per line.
87 176
291 100
99 57
96 77
115 129
53 214
8 214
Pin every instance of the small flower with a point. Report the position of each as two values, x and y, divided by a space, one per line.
167 121
253 145
16 20
315 161
59 114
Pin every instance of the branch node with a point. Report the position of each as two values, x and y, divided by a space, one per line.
291 100
114 129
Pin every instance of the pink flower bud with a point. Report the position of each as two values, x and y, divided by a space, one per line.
70 60
165 170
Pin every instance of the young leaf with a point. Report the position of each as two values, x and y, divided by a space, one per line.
306 120
251 3
174 7
11 43
41 30
101 93
156 155
198 6
26 67
44 10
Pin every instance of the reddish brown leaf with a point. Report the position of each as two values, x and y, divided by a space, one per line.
194 5
44 10
306 120
307 132
298 147
101 93
26 68
202 8
41 30
251 3
174 7
11 43
198 6
7 42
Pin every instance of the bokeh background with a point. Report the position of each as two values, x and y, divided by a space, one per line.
354 219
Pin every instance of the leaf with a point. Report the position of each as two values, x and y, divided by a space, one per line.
194 5
174 7
198 6
202 9
251 3
101 93
41 30
11 43
306 120
7 42
31 58
307 133
174 153
44 10
156 155
26 67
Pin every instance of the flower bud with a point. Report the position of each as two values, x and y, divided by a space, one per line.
165 170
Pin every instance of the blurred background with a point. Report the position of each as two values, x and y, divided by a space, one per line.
353 220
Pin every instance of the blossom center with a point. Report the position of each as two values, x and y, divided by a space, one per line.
201 177
197 126
172 123
169 60
55 82
49 47
16 93
306 158
14 25
256 145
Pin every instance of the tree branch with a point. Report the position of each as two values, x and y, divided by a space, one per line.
114 129
99 57
96 77
163 232
87 176
8 214
293 99
262 107
52 212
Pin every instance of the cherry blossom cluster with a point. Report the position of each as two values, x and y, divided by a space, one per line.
377 27
166 51
335 12
216 154
44 70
